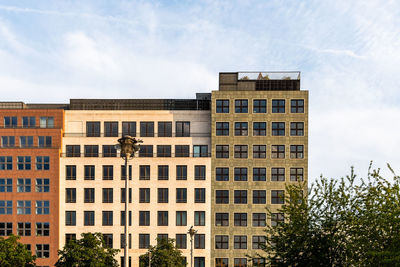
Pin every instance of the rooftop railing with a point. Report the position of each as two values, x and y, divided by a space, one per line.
269 75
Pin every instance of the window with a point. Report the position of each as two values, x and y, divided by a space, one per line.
277 197
42 229
44 141
199 195
144 218
222 106
108 240
278 151
199 262
123 197
278 174
259 106
107 195
70 172
181 172
182 129
296 151
241 128
162 195
222 196
222 151
108 172
221 219
147 129
259 219
259 197
10 122
164 129
6 207
297 128
259 128
42 207
181 218
69 237
221 242
297 105
278 129
278 105
42 185
89 196
163 172
241 151
5 163
109 151
181 241
199 172
23 207
6 228
23 229
144 172
123 172
200 241
162 218
181 151
240 196
163 151
146 151
6 185
23 162
277 218
28 122
107 218
144 240
91 150
42 163
241 106
123 242
92 128
43 250
73 150
181 195
110 129
240 219
70 218
144 195
26 141
259 151
221 262
46 122
240 242
89 172
8 141
240 262
123 218
129 128
70 195
258 242
200 151
222 174
222 128
88 218
199 218
259 174
296 174
23 185
240 174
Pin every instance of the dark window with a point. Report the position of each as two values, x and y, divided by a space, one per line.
221 262
144 195
259 151
123 172
69 237
6 228
222 174
109 151
122 243
42 163
122 219
146 151
258 242
240 219
163 172
199 262
92 128
6 163
43 250
144 240
297 128
182 128
9 141
42 207
200 151
164 129
278 129
111 129
70 218
259 197
221 219
277 197
221 242
24 185
240 242
240 196
181 172
144 218
296 151
181 151
241 128
222 196
278 106
88 218
108 172
181 195
108 195
162 195
222 151
146 129
44 141
240 174
222 128
199 218
296 174
129 128
259 106
6 185
259 128
123 196
278 151
199 195
107 218
241 106
181 218
28 122
10 122
70 195
240 262
181 241
222 106
6 207
259 174
91 150
277 218
26 141
162 218
108 240
259 219
89 172
163 151
200 241
144 172
23 163
241 151
297 105
89 196
199 172
161 236
278 174
73 150
42 229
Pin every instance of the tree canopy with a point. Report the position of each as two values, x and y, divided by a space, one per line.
164 254
14 253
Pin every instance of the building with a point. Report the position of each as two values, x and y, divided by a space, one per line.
213 162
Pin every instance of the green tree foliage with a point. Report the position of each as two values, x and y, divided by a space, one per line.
164 254
346 222
89 251
15 254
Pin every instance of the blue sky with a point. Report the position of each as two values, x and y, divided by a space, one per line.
348 53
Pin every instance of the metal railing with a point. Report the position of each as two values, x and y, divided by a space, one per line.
208 134
143 155
269 75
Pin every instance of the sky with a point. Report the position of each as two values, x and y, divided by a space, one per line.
348 53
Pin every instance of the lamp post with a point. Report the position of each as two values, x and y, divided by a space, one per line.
128 146
191 232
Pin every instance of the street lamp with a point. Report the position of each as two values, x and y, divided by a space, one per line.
191 232
128 146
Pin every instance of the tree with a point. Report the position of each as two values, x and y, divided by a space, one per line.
15 254
346 222
164 254
90 250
